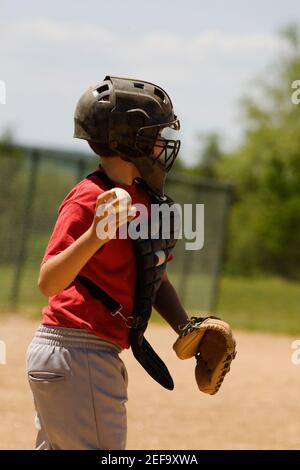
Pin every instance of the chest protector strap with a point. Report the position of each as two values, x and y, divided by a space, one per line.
151 258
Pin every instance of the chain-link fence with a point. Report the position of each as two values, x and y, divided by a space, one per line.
33 183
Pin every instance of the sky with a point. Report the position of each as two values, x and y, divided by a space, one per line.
205 54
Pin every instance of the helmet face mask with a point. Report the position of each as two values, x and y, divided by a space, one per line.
132 119
158 143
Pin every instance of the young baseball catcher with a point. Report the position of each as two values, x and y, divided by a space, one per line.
102 283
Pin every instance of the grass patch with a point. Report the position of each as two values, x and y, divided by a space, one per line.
262 304
265 304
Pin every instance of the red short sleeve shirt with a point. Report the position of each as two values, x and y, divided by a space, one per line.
113 267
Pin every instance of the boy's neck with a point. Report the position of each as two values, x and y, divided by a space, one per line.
119 170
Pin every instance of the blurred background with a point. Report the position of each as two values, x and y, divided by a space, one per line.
231 71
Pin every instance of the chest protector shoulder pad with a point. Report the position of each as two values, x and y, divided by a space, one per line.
151 254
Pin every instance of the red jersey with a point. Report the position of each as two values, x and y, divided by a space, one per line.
112 267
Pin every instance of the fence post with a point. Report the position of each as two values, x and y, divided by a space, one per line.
25 221
221 245
188 258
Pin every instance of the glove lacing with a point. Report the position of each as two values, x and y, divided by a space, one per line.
225 369
194 322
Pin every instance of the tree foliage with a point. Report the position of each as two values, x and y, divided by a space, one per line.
265 170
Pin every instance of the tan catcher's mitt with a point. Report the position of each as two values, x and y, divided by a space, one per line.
210 340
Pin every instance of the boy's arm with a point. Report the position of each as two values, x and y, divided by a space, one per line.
61 269
168 305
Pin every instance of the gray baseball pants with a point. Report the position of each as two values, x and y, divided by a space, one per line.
79 384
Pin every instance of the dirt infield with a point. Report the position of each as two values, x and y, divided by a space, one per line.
258 406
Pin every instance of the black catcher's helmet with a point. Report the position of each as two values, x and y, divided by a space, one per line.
129 118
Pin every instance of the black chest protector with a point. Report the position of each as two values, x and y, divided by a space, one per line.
151 258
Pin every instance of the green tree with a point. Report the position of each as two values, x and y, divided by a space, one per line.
209 155
265 169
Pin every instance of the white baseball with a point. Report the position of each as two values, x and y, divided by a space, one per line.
125 201
123 195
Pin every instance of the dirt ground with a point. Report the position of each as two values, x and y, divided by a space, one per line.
258 406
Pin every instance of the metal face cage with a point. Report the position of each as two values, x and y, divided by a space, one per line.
158 142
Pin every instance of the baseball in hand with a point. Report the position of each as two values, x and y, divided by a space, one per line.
114 208
125 201
123 196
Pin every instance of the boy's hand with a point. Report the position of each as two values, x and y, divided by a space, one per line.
113 209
